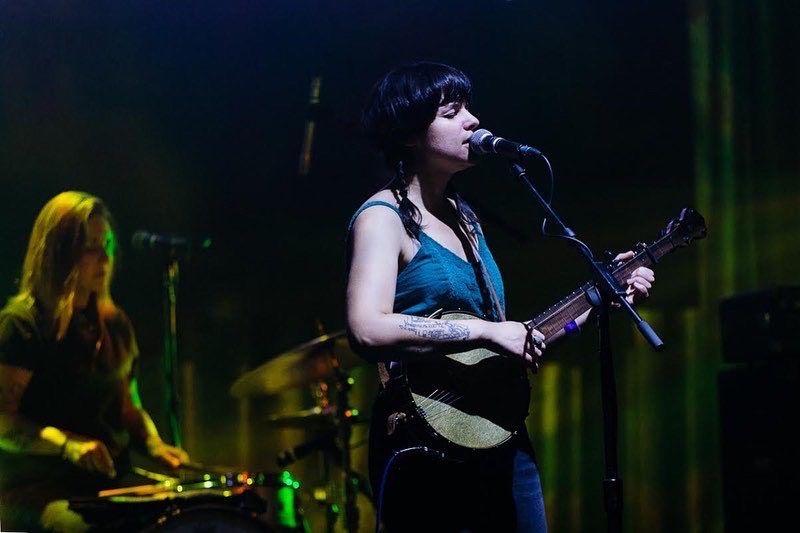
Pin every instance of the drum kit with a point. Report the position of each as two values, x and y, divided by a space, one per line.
223 499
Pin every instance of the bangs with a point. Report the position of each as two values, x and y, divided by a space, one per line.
404 102
453 86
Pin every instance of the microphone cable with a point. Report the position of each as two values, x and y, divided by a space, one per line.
387 468
522 172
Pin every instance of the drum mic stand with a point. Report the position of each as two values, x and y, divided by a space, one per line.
171 276
344 421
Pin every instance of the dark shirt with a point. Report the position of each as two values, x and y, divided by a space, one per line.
78 384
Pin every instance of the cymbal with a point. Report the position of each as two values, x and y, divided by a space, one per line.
314 418
317 418
303 364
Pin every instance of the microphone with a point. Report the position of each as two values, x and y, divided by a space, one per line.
311 124
484 142
144 240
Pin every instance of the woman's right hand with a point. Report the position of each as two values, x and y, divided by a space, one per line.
89 454
517 339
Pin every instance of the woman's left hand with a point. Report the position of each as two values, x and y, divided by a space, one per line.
639 283
169 455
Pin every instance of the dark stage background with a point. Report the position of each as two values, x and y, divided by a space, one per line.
188 117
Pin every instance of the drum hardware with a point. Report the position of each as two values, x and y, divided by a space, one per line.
308 363
209 518
347 415
155 476
232 482
237 501
139 512
315 419
326 443
316 362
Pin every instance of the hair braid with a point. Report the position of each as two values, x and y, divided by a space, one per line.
409 213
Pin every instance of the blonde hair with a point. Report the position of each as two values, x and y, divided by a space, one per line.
50 269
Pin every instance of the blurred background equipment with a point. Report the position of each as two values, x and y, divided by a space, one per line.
320 364
759 391
761 326
316 360
203 498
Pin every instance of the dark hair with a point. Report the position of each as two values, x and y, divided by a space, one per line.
401 106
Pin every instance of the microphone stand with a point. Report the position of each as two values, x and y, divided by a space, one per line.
606 291
171 276
344 424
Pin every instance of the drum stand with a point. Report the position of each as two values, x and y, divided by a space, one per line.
320 361
344 420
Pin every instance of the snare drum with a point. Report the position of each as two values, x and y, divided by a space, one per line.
280 491
233 509
247 501
216 518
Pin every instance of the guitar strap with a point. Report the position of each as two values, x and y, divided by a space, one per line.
383 372
398 417
501 316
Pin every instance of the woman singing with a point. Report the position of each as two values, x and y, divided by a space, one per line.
416 247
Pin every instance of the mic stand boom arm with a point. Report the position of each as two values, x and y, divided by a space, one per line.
603 278
606 291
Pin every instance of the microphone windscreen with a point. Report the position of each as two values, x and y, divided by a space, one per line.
476 141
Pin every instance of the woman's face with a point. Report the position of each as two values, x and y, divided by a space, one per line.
445 145
94 265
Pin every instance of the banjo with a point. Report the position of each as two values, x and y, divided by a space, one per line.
477 400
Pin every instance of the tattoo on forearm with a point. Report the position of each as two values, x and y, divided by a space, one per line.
435 329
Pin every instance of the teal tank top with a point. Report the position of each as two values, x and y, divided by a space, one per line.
436 278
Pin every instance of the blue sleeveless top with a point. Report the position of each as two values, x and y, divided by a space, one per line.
436 278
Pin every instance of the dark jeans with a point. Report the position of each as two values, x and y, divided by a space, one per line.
495 491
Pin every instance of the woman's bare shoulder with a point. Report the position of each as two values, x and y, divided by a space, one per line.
383 195
383 213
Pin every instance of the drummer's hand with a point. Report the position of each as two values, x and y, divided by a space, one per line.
169 455
89 454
